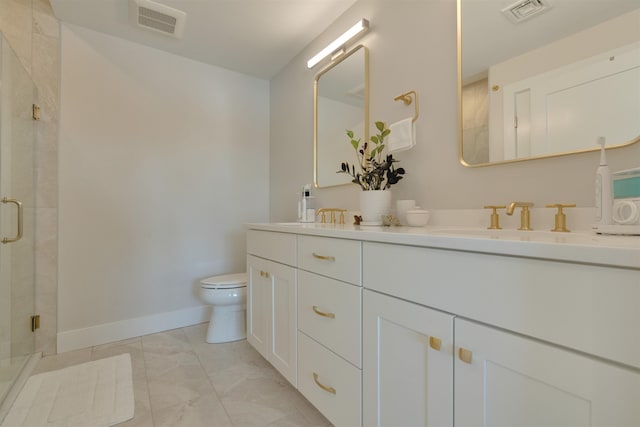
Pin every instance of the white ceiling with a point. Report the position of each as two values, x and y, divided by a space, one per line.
254 37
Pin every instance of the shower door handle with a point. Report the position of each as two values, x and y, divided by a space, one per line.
19 235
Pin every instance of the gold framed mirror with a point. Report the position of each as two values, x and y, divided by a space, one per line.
548 83
341 102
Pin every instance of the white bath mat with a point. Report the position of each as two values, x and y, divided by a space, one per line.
93 394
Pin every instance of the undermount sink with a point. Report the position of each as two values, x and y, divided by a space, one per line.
520 235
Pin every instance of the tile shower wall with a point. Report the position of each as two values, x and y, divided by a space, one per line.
33 32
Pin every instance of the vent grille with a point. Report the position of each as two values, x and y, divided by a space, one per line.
525 9
157 17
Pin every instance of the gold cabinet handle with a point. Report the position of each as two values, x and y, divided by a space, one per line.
322 313
324 257
435 343
265 274
465 355
322 386
19 234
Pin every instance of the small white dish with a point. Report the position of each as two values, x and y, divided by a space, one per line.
417 217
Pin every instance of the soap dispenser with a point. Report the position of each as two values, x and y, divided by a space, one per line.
604 188
306 213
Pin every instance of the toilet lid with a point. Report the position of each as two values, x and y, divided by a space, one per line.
225 281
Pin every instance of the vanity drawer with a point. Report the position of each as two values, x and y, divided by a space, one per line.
279 247
335 258
329 311
329 382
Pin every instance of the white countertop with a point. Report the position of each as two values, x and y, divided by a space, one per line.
576 246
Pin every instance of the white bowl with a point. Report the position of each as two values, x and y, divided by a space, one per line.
417 217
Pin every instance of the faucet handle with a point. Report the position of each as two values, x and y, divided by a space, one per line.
561 218
495 218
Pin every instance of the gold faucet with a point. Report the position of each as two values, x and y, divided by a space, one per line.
525 222
323 211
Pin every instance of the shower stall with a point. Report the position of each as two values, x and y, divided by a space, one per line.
17 223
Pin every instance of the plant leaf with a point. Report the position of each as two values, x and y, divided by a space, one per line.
380 126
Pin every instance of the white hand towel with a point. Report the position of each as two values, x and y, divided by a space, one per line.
402 136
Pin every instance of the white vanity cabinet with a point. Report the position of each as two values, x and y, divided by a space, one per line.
407 363
540 364
504 379
393 329
329 337
272 299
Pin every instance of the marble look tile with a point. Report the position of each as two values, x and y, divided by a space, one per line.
261 401
217 358
45 59
160 364
46 279
171 387
204 411
63 360
16 25
299 420
166 342
47 167
179 386
174 373
121 345
44 20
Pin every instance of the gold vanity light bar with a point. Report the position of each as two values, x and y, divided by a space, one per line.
357 30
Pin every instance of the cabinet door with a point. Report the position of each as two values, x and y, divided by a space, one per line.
271 314
510 380
283 320
258 302
407 363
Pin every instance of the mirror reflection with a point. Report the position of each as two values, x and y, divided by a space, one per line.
547 77
341 96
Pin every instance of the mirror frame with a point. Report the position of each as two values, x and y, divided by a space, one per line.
500 162
322 72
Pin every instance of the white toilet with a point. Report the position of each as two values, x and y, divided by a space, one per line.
228 296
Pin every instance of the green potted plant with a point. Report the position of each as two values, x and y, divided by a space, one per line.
374 172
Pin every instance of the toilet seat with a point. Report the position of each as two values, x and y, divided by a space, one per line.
226 281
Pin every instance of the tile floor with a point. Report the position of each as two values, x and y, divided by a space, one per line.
180 380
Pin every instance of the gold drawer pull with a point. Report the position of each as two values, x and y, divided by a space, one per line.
324 257
435 343
322 313
464 355
322 386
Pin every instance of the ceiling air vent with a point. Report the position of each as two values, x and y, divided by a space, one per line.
525 9
157 17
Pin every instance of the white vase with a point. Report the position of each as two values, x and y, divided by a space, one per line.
374 204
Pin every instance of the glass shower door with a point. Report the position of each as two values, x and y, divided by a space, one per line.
17 217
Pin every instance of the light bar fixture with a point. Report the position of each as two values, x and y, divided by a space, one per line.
357 30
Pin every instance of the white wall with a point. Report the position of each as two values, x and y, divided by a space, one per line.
413 47
162 161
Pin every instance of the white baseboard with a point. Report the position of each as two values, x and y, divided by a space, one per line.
130 328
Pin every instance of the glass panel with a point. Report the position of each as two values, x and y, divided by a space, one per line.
17 182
